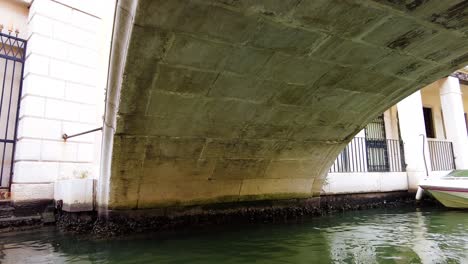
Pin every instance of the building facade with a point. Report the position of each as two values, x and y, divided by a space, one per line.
424 135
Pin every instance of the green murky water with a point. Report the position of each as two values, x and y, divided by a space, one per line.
373 236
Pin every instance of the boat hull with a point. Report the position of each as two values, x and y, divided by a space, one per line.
449 197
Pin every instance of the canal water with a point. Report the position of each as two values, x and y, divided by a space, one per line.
371 236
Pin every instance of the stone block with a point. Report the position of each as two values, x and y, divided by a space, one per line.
402 66
43 86
85 152
38 128
281 38
123 193
36 172
400 34
293 70
182 80
58 151
441 48
34 191
80 93
242 87
347 18
62 110
158 13
40 24
84 21
156 170
298 95
28 149
83 56
46 46
240 149
247 60
303 150
452 17
73 35
76 195
89 114
448 13
239 168
176 126
169 147
52 10
281 115
349 53
32 106
223 24
287 169
72 72
187 192
276 188
277 9
171 104
198 53
37 64
267 131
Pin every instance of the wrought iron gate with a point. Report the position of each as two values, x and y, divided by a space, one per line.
12 57
376 144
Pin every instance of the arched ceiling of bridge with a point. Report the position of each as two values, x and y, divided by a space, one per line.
215 100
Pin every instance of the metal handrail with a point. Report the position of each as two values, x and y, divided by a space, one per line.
370 155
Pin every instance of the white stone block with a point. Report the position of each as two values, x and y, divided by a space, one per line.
39 24
32 106
35 172
38 128
80 93
88 114
37 64
76 195
51 9
72 72
43 86
47 46
85 152
85 21
27 192
62 110
75 36
83 56
58 151
28 149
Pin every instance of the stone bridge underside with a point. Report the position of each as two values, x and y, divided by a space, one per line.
229 100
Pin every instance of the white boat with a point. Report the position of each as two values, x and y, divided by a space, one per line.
450 190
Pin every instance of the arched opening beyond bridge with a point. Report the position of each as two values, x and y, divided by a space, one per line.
223 100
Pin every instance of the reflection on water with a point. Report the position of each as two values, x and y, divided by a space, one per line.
374 236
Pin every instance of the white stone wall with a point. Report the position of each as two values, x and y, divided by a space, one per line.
63 93
367 182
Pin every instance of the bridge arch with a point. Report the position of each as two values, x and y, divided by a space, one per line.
223 100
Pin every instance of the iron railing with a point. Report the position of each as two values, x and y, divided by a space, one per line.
12 57
370 155
441 153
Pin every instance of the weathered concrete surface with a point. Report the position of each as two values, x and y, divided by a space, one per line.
224 100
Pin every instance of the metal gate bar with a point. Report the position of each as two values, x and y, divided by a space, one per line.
12 57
